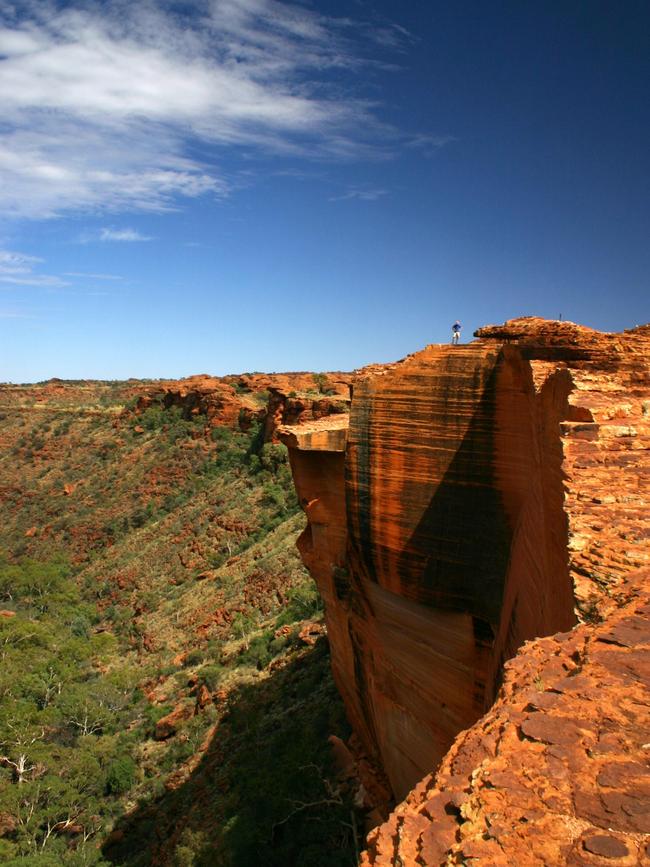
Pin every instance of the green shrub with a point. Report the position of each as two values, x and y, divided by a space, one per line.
274 495
279 644
7 852
215 648
320 379
221 435
120 775
194 657
273 456
80 627
152 714
257 654
212 675
304 601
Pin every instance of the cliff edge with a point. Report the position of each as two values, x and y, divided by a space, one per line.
484 496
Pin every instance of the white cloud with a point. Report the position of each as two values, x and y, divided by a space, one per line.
103 102
16 263
91 276
11 314
429 145
17 269
122 235
364 194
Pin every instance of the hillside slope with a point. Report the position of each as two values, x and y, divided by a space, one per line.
151 597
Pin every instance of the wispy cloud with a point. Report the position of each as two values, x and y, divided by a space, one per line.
428 144
90 276
103 103
17 269
16 263
123 235
12 314
364 194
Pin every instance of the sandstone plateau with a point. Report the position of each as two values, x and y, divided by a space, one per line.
479 533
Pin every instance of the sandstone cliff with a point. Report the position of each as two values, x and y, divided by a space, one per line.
485 495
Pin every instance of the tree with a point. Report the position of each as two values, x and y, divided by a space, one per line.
91 707
18 742
120 775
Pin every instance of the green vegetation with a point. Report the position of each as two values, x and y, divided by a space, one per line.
64 751
322 384
151 667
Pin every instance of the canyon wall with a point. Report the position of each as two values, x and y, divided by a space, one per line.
462 514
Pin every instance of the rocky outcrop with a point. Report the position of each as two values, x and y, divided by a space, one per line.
202 395
236 401
484 495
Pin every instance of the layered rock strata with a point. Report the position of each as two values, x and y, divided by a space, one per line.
484 495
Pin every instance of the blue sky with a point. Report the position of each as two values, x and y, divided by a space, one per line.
229 185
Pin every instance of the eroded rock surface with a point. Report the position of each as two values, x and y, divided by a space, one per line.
486 495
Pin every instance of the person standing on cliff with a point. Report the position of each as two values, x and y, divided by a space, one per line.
455 332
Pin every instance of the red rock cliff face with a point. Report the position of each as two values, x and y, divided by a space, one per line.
456 521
